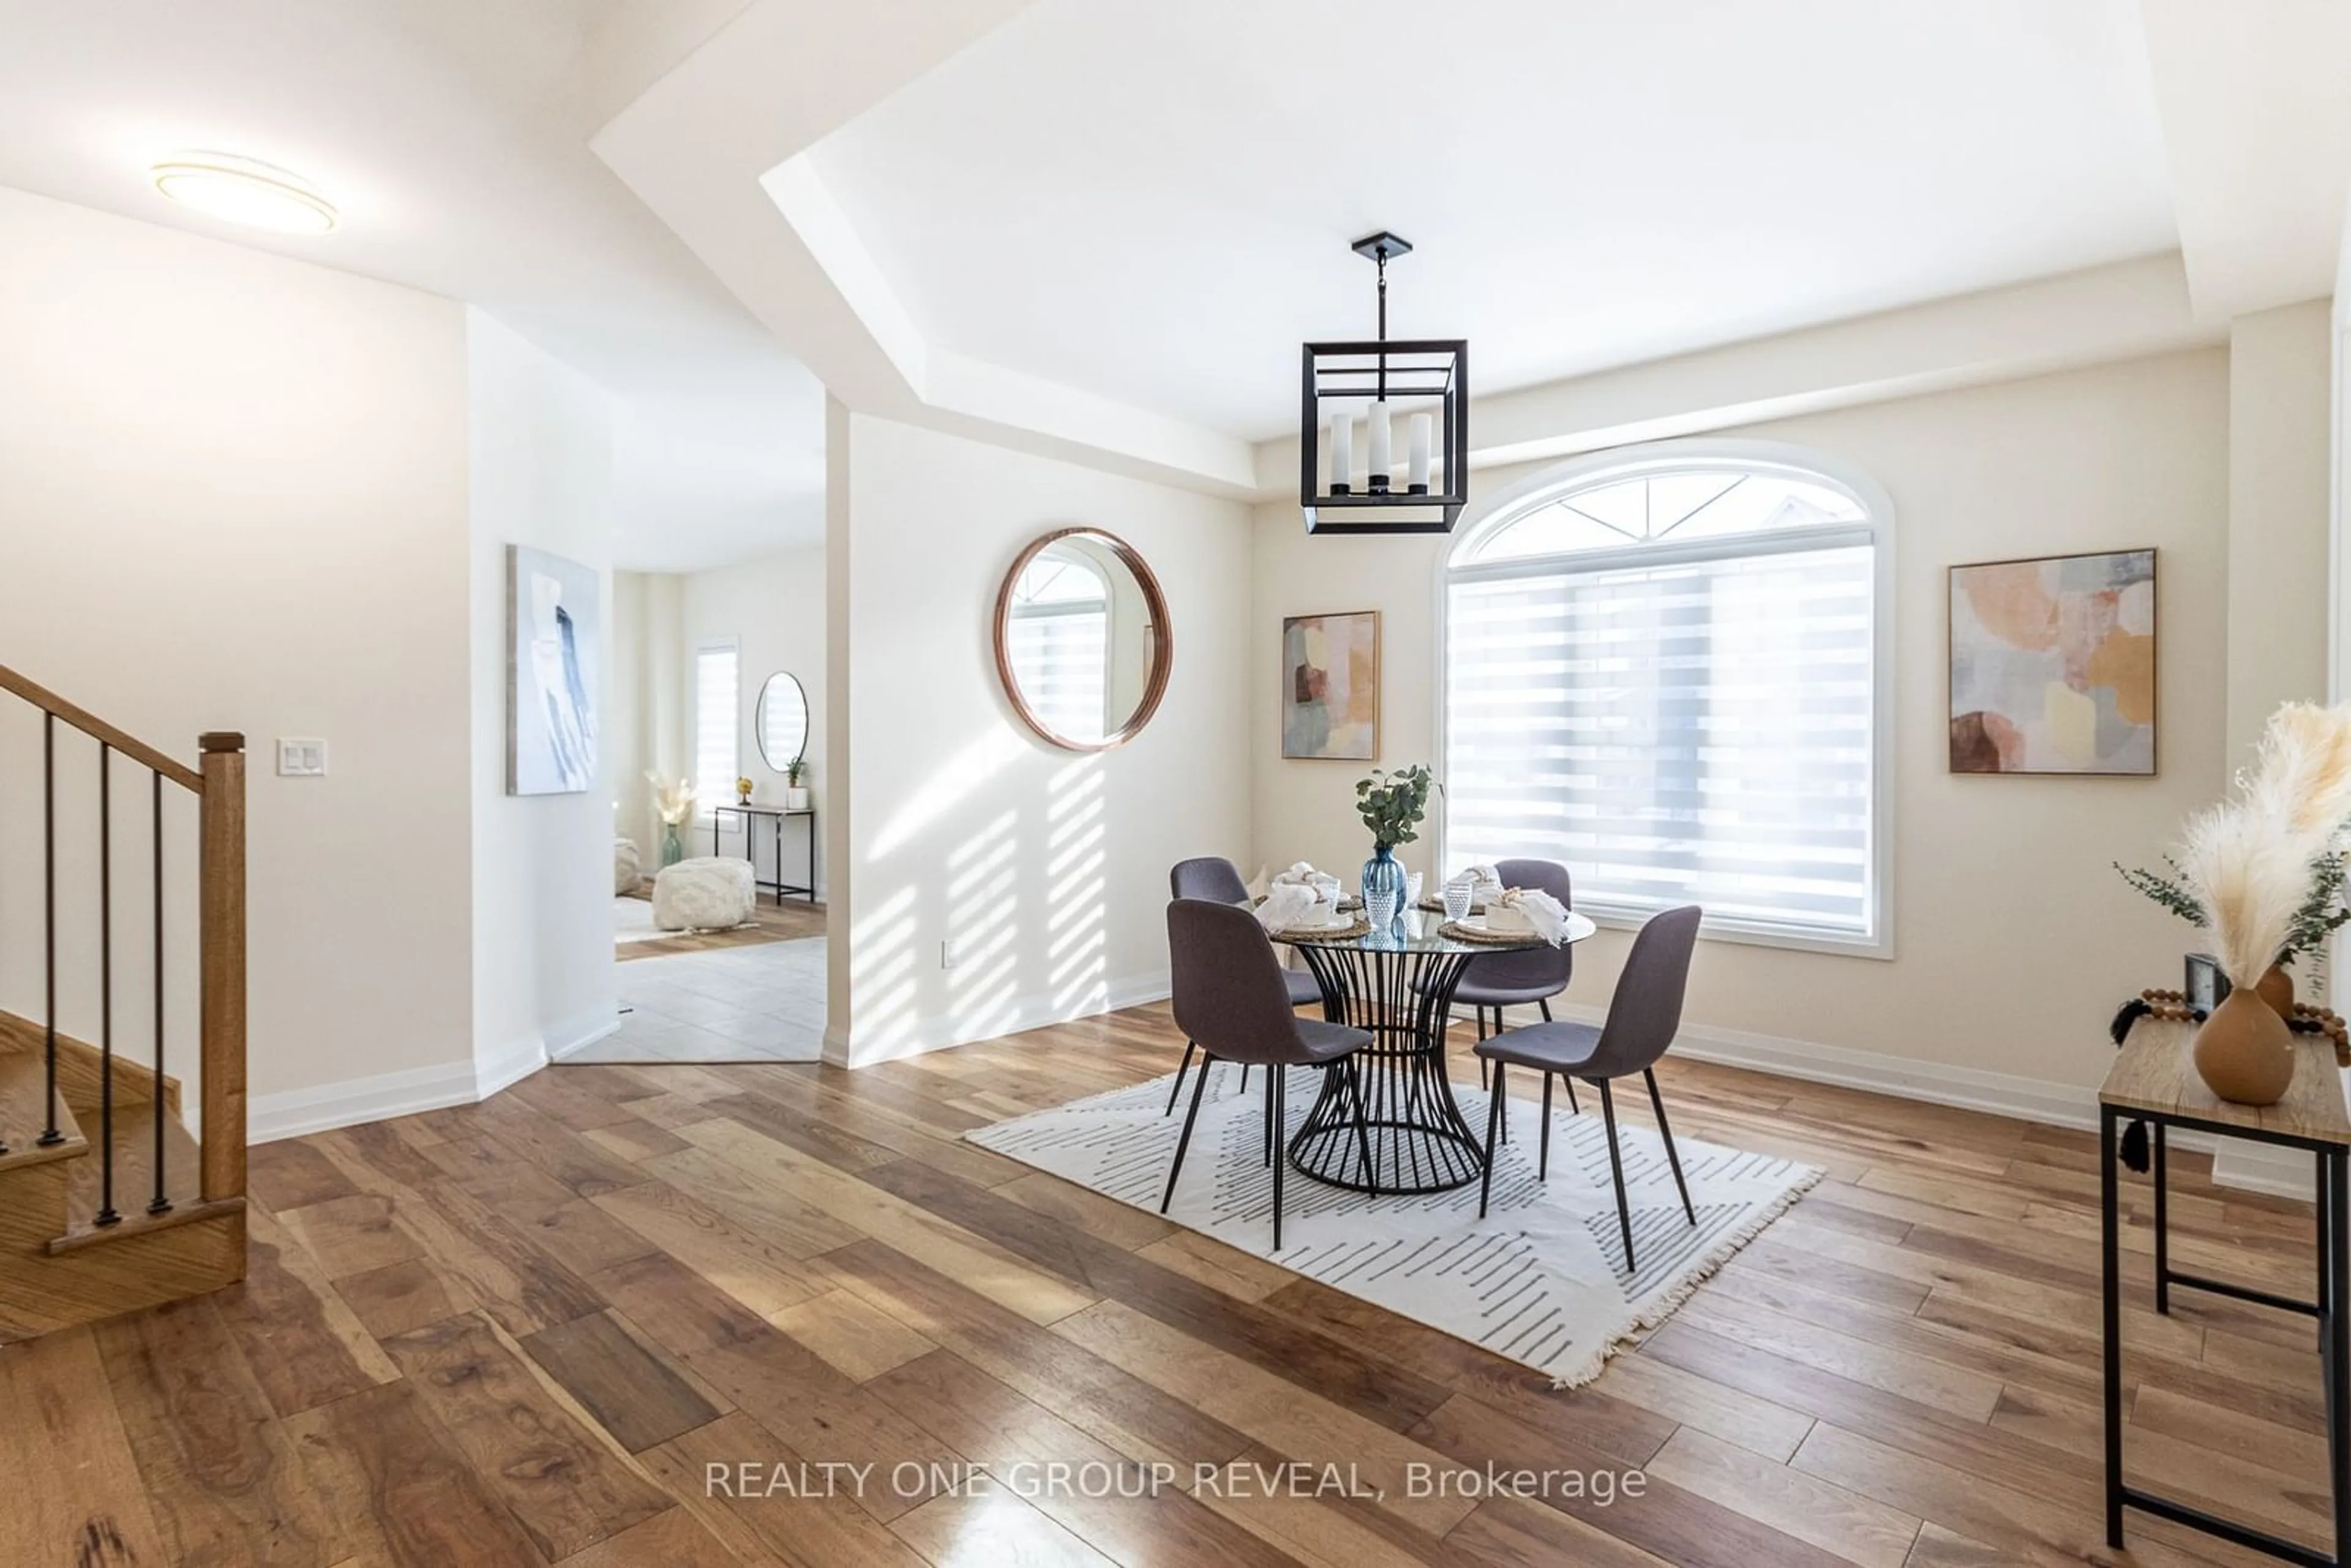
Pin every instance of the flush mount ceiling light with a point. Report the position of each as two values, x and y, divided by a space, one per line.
243 191
1424 380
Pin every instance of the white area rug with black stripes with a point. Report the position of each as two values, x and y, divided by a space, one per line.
1541 1279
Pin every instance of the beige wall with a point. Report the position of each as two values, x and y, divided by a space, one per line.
233 496
542 462
2280 372
2014 940
1047 868
774 609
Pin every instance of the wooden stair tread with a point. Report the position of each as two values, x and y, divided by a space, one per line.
22 1115
134 1180
80 1065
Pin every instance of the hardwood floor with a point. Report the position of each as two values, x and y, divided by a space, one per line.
532 1330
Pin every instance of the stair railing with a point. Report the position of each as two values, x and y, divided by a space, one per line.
218 785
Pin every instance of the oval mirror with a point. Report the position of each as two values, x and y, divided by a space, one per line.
782 721
1083 643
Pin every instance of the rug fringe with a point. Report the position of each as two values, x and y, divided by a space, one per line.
1596 1361
1707 1268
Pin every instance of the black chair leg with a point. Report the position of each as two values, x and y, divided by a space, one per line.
1542 1162
1273 1131
1272 1089
1658 1103
1244 1077
1617 1170
1493 1119
1362 1121
1484 1081
1189 1047
1183 1141
1573 1108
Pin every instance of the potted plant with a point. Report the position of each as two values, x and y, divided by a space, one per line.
2262 873
1391 804
676 804
796 797
2323 911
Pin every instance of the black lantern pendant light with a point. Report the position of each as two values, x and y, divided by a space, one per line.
1423 382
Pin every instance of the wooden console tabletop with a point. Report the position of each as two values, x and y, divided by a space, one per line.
2152 1072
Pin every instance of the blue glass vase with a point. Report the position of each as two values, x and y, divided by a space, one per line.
1383 886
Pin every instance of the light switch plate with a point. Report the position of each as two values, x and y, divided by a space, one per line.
301 756
950 954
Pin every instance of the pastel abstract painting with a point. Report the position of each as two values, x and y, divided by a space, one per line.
1330 687
2053 664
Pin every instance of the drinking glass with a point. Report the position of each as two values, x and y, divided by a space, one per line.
1457 895
1379 907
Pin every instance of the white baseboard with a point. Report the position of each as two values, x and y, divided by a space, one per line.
564 1039
1934 1083
269 1117
2262 1167
944 1034
2251 1167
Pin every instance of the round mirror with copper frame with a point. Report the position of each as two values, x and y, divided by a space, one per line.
1083 643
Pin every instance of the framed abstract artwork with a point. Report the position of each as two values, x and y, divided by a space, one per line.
1330 687
554 635
2054 664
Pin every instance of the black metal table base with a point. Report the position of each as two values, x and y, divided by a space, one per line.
2333 1253
1420 1141
778 887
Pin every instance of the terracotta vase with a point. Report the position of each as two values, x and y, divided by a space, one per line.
2245 1052
2276 987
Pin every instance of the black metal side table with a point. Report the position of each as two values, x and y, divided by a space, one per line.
2152 1080
774 816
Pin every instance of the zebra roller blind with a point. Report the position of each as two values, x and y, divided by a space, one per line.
1669 684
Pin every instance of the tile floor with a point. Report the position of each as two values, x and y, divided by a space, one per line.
765 1003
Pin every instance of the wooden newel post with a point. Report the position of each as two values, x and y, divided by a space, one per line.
221 908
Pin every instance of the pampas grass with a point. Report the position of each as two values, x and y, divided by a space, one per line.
2249 861
2250 879
2301 776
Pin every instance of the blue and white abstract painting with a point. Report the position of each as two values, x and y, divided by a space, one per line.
554 609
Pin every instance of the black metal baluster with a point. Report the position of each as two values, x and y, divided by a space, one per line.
50 1136
159 1203
105 1214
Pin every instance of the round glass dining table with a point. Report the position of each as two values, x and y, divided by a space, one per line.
1397 982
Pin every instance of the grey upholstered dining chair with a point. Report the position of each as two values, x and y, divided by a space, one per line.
1499 980
1643 1017
1218 881
1229 1000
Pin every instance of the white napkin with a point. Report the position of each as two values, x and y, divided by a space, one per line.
1303 874
1485 885
1547 915
1286 904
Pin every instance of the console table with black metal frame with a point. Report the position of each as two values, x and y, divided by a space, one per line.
2153 1080
775 817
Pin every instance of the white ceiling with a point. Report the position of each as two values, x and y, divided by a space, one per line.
1153 201
1099 229
452 135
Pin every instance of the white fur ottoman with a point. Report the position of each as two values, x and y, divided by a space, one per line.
711 893
627 869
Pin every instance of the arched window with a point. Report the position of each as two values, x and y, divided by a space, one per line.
1667 667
